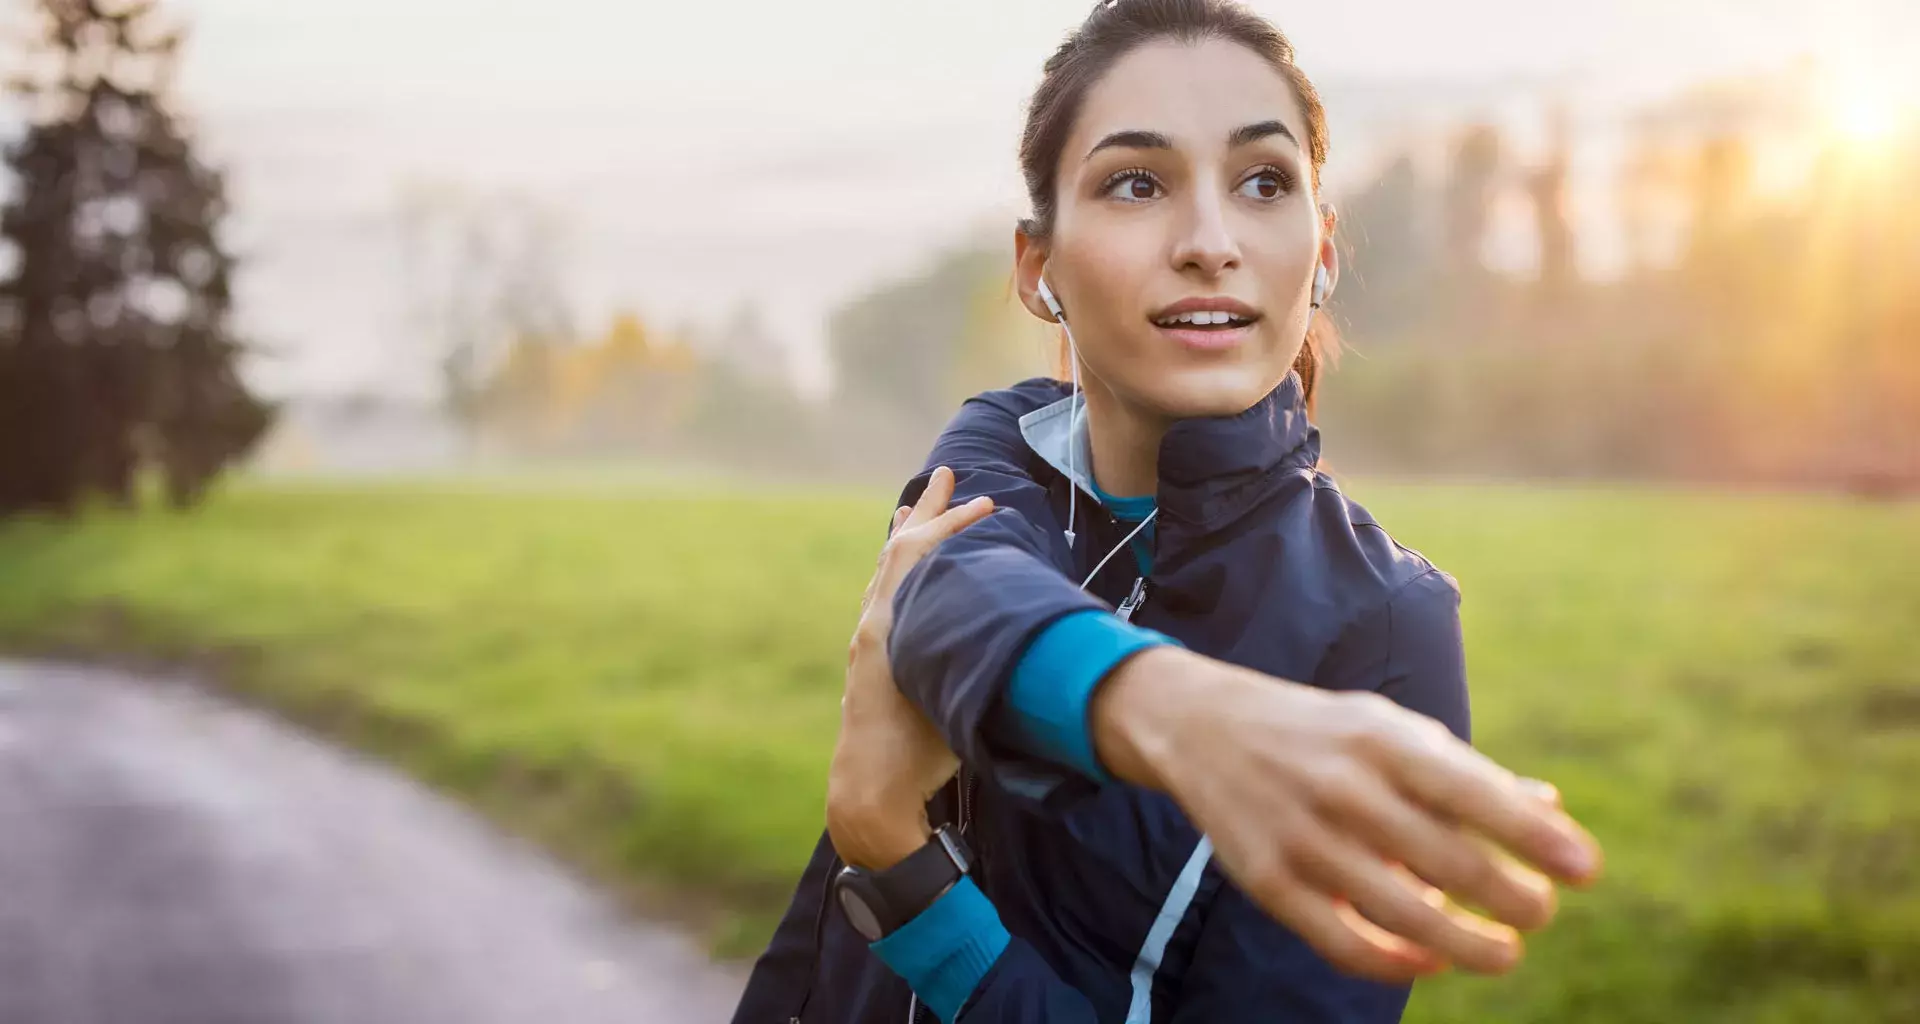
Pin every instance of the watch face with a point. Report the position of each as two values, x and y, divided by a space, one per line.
859 914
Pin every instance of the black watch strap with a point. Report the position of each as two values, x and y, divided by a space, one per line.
897 895
913 884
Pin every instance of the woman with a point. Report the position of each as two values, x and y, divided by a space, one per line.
1243 796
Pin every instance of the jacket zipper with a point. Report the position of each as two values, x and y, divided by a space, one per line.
969 791
819 938
1134 600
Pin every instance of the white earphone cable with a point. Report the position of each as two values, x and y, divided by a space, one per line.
1116 548
1073 430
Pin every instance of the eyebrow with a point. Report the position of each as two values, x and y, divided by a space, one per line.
1140 138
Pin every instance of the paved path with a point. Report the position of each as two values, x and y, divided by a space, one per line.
168 858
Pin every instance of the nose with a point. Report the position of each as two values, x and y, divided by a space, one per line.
1206 243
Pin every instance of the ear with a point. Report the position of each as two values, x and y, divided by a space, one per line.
1329 252
1029 260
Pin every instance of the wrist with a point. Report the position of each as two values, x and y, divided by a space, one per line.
1145 713
891 845
874 837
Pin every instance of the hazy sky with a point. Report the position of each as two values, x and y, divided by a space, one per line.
702 153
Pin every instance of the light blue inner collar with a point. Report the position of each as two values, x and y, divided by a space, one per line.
1051 431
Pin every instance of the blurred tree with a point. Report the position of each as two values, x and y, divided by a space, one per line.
482 274
520 399
909 351
1717 198
115 347
747 345
641 383
1000 341
1646 189
1389 259
629 388
891 347
1553 230
633 390
753 421
1472 180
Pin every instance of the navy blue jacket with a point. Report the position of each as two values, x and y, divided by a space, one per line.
1116 909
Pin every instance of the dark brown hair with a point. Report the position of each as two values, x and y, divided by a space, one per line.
1115 29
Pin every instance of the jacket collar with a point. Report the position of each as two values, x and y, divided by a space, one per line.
1054 433
1213 469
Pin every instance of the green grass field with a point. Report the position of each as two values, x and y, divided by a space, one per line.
1726 688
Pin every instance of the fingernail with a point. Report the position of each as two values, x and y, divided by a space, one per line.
1576 855
1510 950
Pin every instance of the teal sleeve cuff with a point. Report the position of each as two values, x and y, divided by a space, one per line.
1054 680
944 952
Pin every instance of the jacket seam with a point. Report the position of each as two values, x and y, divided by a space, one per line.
1386 606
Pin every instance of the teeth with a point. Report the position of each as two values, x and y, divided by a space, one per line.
1201 318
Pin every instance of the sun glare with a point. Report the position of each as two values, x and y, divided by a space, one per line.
1866 119
1865 112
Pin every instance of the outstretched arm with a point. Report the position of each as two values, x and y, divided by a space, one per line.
1315 799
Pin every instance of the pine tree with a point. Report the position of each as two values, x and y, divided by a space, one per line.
116 352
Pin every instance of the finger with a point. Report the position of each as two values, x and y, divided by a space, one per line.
1349 941
1458 863
1544 791
880 562
954 520
1407 907
934 499
925 527
1460 784
913 542
880 567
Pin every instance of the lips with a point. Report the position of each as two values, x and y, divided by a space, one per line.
1207 323
1203 311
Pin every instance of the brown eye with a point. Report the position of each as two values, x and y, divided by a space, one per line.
1132 186
1268 184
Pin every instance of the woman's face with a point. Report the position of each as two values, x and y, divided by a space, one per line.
1185 181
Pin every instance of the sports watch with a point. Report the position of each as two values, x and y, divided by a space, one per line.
879 902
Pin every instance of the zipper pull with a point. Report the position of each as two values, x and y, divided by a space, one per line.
1134 600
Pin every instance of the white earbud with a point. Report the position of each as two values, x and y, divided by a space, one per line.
1053 304
1321 284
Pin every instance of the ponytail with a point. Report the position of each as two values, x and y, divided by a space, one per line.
1317 354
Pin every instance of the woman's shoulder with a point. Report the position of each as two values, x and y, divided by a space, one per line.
1380 569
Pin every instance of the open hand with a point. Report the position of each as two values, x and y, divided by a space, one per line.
1354 821
888 760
